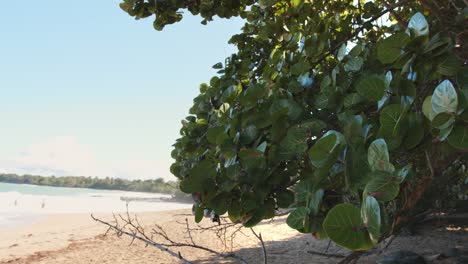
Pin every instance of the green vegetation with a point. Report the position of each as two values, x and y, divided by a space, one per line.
152 186
327 111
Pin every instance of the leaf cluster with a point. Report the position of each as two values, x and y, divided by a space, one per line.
324 109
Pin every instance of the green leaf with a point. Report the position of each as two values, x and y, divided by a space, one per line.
285 198
459 137
391 119
378 156
388 79
212 134
428 112
219 203
418 25
254 163
356 167
345 227
315 201
218 65
269 204
252 94
449 66
294 145
415 131
262 147
444 99
382 186
257 217
444 133
354 64
198 213
296 3
304 190
372 88
200 179
341 52
298 218
370 213
326 149
389 49
442 121
292 109
352 99
234 211
248 135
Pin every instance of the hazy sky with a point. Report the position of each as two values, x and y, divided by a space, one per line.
87 90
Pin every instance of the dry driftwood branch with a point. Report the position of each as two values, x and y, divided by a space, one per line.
225 231
120 231
131 227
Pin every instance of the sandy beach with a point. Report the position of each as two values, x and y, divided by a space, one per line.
76 238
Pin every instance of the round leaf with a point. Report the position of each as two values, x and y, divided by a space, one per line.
325 149
372 88
383 186
391 119
294 145
418 25
297 218
345 227
354 64
459 137
389 49
444 99
378 158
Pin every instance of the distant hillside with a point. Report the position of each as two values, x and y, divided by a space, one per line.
151 186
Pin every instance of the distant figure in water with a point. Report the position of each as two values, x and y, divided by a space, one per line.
43 203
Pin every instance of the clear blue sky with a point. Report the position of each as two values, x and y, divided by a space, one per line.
87 90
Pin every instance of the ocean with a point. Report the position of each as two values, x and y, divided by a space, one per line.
23 204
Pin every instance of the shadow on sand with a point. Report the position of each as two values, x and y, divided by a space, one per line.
429 240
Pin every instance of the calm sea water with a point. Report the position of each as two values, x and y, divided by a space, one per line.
22 204
45 190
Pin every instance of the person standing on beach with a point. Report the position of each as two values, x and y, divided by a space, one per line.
43 203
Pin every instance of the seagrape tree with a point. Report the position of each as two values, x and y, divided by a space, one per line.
343 111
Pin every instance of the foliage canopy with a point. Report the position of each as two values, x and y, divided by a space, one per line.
328 107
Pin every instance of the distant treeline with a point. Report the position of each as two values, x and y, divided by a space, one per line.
152 186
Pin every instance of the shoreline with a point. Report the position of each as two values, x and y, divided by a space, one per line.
56 232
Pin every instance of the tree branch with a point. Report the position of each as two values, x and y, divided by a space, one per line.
394 14
259 236
358 30
134 236
133 229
